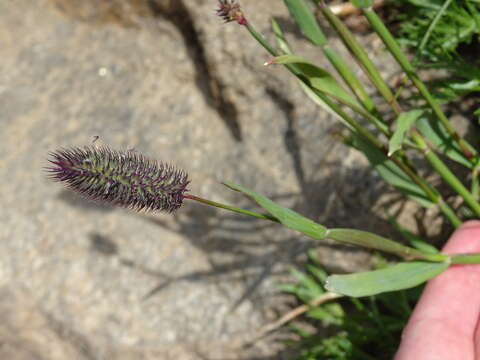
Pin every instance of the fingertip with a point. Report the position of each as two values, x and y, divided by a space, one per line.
445 318
470 224
465 239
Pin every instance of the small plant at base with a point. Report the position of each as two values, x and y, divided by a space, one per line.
444 36
423 131
351 328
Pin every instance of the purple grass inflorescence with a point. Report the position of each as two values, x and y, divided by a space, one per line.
123 178
229 10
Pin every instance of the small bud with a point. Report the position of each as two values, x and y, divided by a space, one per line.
230 10
123 178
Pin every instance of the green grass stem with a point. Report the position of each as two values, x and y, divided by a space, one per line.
432 25
350 79
445 172
464 258
408 68
359 55
373 241
232 208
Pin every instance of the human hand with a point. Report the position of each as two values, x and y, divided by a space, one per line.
445 322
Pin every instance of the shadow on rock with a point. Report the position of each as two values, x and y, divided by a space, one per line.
132 13
78 201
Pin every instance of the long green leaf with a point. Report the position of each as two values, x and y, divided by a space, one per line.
404 122
306 21
401 276
362 3
280 36
390 172
287 217
317 100
318 78
431 4
377 242
434 131
432 25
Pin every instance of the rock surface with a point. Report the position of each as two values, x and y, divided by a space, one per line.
82 281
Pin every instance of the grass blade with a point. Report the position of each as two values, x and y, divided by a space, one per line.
287 217
306 21
400 276
318 78
404 122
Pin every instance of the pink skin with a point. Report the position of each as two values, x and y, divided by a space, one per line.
444 324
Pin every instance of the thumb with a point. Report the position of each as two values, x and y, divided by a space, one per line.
444 321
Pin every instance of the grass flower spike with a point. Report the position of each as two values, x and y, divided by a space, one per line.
123 178
230 10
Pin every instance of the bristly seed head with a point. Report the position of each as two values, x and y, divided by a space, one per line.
229 10
123 178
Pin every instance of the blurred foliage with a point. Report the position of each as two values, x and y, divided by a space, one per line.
444 34
347 328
